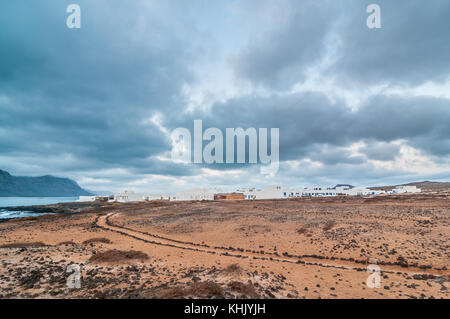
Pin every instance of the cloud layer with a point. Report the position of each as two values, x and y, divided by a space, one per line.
98 103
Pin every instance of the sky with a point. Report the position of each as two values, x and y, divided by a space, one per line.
97 104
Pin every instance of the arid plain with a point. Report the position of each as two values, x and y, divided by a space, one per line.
300 248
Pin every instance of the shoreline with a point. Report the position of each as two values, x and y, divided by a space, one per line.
36 211
66 207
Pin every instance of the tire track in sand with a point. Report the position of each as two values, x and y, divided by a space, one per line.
104 223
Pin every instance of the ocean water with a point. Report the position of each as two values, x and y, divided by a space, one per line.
28 201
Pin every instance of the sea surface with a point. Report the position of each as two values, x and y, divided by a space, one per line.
28 201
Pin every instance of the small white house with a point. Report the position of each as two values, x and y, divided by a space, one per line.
359 191
156 197
93 198
82 199
128 196
342 190
406 189
194 194
272 192
377 192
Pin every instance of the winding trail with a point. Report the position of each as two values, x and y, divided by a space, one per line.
104 223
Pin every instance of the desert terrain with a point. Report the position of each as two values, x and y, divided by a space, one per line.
299 248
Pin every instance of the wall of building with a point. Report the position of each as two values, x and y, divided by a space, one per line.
86 199
196 194
406 189
272 192
317 191
230 196
156 197
127 197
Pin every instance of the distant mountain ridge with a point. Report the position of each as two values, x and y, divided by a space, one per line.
42 186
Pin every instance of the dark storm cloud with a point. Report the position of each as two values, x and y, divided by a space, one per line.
411 47
282 55
334 155
88 92
348 173
415 119
311 126
355 174
380 151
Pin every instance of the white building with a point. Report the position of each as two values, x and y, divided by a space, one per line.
82 199
270 192
358 191
128 196
195 194
406 189
327 191
377 192
290 193
156 197
94 198
342 190
279 192
318 191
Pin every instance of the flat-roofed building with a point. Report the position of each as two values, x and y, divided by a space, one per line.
406 189
318 191
229 196
194 194
127 196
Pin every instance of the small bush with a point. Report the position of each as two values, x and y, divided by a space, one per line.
67 243
118 256
97 240
206 289
233 268
329 225
248 290
23 245
172 293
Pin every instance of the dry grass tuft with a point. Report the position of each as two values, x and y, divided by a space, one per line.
233 269
68 242
330 224
115 255
203 289
97 240
247 290
172 293
305 230
206 289
23 245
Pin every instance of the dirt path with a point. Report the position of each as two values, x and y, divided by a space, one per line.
154 239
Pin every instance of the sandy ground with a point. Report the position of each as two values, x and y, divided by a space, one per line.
303 248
